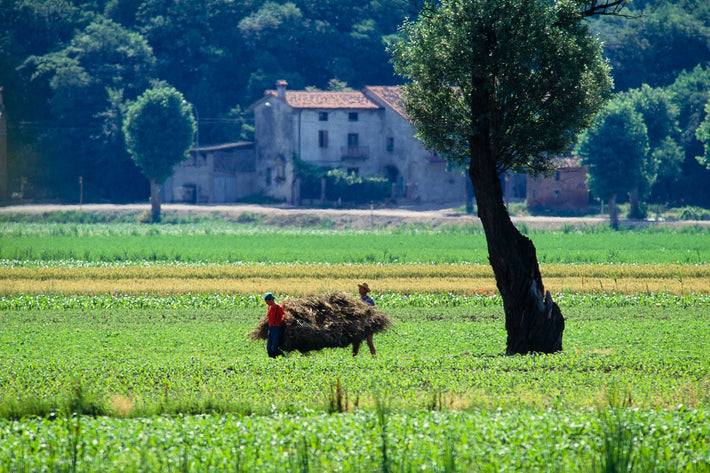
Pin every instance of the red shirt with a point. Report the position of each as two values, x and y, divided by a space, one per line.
275 315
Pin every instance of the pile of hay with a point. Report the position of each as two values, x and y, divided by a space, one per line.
329 320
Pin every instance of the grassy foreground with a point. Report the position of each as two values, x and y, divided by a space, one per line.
123 348
182 389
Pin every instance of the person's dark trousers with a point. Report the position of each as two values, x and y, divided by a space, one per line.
272 342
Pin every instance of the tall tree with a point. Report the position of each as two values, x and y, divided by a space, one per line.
503 85
691 92
657 43
664 157
703 135
159 129
615 152
101 62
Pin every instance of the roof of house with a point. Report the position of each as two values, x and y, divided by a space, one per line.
326 100
567 162
224 146
390 95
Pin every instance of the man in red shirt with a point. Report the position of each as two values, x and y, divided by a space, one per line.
276 319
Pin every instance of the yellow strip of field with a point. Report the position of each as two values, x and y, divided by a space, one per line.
346 271
306 279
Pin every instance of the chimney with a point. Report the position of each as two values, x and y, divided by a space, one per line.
281 88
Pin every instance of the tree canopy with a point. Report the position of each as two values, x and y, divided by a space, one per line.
703 134
159 128
223 54
523 75
616 153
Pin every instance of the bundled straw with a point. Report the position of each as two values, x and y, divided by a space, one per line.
328 320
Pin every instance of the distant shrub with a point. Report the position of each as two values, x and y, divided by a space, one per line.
355 189
694 213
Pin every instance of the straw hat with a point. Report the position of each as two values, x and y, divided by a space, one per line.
364 286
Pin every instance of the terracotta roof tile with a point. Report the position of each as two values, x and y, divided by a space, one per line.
567 162
391 95
327 100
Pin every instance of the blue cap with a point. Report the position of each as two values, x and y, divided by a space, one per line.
268 296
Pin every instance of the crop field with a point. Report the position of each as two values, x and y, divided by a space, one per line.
125 348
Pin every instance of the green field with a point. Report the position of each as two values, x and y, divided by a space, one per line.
160 387
229 243
117 382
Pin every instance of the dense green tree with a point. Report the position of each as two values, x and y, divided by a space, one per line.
665 156
222 54
159 128
496 86
199 48
690 93
104 57
703 135
30 27
657 42
615 152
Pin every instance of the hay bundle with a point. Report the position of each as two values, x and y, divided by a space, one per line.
329 320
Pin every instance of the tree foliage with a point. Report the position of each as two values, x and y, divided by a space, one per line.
223 54
523 73
159 128
703 134
616 153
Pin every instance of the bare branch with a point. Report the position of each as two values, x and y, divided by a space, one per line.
603 7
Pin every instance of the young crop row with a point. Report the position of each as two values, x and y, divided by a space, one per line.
258 245
24 302
605 440
144 362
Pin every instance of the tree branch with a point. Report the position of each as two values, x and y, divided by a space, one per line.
603 7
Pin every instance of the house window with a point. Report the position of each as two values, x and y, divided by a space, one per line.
390 144
355 171
322 138
280 169
557 175
322 116
352 117
557 194
353 139
268 176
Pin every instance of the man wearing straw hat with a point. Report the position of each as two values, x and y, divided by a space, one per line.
364 289
275 315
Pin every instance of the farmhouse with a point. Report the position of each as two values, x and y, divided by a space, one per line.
365 133
566 189
214 174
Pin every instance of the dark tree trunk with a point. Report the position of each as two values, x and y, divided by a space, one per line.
613 212
634 204
534 322
470 197
154 201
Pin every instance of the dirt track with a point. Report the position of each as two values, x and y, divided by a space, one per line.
284 215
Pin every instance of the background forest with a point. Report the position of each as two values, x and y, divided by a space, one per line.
69 68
